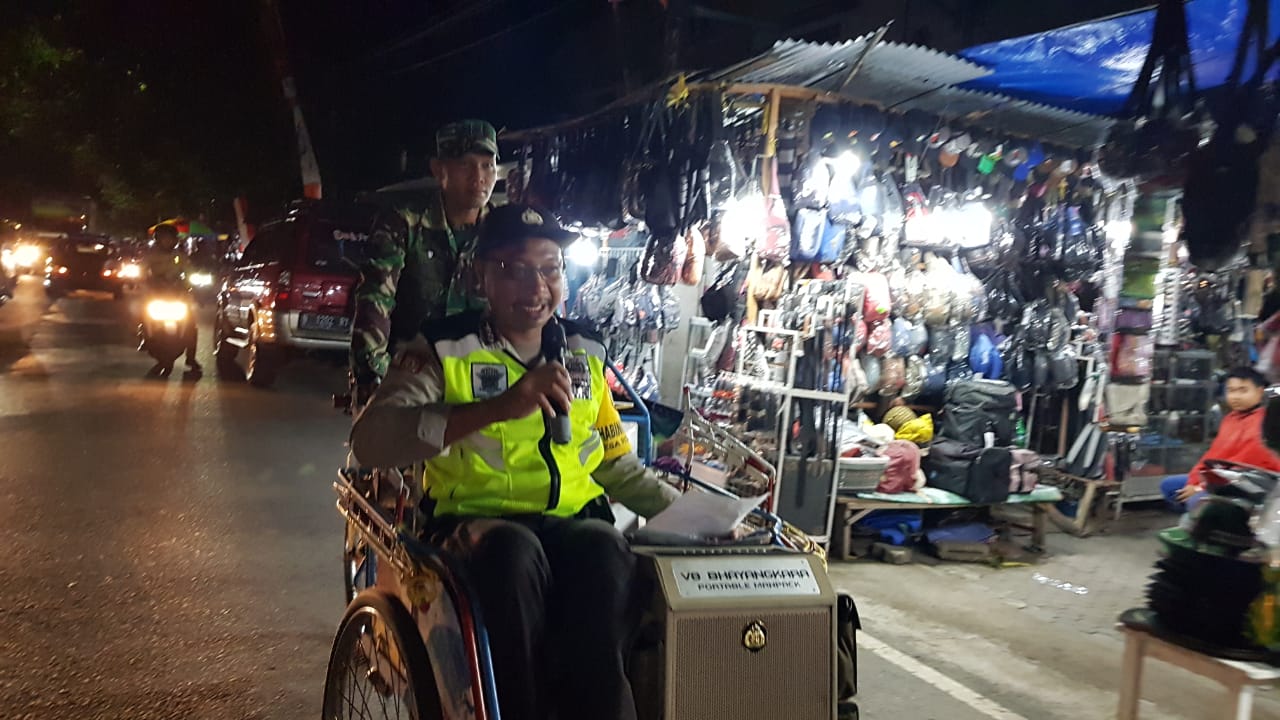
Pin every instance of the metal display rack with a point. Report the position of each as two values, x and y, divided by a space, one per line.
788 393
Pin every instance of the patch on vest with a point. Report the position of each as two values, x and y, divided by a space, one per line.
580 375
488 380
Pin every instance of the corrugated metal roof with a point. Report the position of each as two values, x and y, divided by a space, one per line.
902 77
825 66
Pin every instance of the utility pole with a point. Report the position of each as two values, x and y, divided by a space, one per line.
311 187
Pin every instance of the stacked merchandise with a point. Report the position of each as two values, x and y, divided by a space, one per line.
975 457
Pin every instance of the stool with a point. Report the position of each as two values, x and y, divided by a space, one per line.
1241 679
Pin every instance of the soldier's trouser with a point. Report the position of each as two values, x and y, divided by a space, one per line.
557 597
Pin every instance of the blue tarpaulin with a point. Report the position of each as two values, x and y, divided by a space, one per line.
1092 67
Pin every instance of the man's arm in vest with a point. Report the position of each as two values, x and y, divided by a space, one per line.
405 421
376 297
622 475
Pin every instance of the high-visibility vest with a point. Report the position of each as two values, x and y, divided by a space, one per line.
512 467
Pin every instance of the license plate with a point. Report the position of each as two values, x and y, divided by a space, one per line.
324 323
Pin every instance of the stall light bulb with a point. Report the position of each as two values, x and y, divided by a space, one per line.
919 229
1118 234
847 163
972 225
583 252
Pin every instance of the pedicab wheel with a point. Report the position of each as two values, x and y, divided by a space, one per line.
379 667
359 564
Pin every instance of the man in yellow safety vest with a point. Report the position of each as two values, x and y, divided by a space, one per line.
517 492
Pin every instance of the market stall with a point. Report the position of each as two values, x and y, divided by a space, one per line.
879 282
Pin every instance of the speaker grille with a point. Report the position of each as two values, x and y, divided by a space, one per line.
711 675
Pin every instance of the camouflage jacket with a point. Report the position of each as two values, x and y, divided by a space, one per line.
415 272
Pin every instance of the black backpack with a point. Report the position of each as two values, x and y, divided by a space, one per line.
976 407
977 474
947 465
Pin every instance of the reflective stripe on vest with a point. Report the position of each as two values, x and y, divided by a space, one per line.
509 468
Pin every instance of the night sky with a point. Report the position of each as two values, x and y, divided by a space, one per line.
182 103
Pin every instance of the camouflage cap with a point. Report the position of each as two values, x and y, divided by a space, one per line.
508 225
459 138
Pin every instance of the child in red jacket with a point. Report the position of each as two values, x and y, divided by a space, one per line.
1238 440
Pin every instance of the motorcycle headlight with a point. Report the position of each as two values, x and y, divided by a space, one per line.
130 271
200 279
167 310
27 255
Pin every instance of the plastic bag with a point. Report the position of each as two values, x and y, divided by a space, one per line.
879 339
878 300
860 333
871 369
902 345
942 345
916 371
893 375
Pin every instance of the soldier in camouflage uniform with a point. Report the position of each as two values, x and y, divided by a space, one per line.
419 265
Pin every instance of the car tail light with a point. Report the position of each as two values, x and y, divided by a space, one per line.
284 287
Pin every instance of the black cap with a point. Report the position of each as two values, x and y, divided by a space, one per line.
508 225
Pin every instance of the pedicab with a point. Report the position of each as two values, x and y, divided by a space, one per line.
748 626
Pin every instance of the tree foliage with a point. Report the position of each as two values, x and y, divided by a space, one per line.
168 111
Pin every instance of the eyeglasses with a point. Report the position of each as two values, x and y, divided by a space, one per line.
521 272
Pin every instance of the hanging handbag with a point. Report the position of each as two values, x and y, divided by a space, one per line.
695 257
775 246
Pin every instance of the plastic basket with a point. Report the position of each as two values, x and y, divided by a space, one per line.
861 474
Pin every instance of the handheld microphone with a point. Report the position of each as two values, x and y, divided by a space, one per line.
554 347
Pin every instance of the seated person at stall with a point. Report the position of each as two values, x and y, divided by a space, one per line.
1239 440
473 398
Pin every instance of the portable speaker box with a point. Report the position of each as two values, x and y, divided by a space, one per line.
736 633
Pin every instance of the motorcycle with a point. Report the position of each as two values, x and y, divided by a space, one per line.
166 325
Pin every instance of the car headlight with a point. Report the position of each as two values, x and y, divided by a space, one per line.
200 279
167 310
28 255
130 271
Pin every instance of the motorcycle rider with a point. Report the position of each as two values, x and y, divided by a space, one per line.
418 265
165 265
525 514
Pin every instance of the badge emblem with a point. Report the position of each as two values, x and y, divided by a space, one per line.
580 375
488 380
531 217
755 637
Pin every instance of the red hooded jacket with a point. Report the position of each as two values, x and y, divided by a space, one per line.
1238 440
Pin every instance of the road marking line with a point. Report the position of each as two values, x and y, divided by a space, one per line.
923 672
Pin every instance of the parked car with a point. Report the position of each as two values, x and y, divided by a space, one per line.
83 262
291 291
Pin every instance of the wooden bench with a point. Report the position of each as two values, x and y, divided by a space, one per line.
849 510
